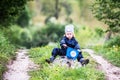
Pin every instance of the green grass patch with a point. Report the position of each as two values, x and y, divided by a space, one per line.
2 69
49 72
88 37
112 54
7 51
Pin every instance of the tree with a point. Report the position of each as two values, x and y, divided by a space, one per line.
53 7
10 10
108 11
24 18
56 9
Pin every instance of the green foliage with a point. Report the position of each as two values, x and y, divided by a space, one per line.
3 59
112 54
108 11
6 51
21 36
48 7
115 41
2 69
50 33
23 19
83 7
55 72
9 35
110 50
86 36
10 10
67 6
6 48
53 32
99 31
32 36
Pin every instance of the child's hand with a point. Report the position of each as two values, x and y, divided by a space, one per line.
79 50
65 46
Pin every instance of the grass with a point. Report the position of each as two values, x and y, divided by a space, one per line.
86 36
6 52
49 72
112 54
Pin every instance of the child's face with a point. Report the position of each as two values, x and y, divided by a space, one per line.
69 35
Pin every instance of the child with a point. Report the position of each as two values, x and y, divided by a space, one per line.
68 41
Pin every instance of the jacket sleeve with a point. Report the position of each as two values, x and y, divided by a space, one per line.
77 46
62 42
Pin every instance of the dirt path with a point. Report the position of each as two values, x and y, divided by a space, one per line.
112 72
18 69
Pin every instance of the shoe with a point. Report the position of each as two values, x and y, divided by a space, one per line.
48 61
69 64
85 62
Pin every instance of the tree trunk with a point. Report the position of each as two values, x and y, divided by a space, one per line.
56 9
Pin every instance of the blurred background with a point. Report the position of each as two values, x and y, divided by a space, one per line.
36 23
40 23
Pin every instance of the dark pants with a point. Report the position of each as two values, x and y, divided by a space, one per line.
62 52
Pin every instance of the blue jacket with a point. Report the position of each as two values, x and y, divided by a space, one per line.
70 43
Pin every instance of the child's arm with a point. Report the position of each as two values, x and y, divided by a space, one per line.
63 43
77 46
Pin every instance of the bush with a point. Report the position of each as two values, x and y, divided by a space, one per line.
49 33
85 36
2 69
115 41
6 47
23 19
107 11
11 11
6 51
99 31
32 36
